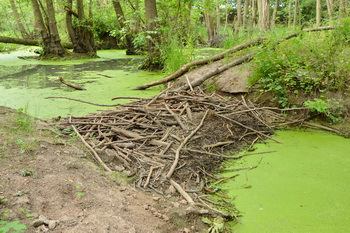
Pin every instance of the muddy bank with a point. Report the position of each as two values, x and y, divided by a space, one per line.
45 174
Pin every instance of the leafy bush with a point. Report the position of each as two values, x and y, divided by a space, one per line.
310 64
14 227
331 108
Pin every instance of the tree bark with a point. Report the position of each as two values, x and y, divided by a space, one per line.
296 10
121 20
21 28
4 39
49 33
245 13
274 14
239 16
253 17
82 35
330 9
264 14
342 9
153 60
318 13
289 13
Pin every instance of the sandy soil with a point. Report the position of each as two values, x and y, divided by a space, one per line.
51 181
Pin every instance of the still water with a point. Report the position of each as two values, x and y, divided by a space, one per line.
303 187
25 83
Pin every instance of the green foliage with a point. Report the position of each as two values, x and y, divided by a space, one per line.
3 199
309 64
175 54
29 172
23 122
13 227
331 108
216 225
80 191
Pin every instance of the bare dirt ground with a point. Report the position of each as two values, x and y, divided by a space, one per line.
51 184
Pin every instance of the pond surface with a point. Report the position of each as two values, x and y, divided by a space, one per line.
302 187
25 83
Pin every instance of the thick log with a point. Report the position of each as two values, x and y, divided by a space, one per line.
5 39
220 56
245 58
188 66
219 70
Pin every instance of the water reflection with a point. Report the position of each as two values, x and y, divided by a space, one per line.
26 82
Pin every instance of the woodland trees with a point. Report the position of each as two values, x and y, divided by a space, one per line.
47 26
80 32
149 25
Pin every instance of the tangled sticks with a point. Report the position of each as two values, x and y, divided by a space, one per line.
177 137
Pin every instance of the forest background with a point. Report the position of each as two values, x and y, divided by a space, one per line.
168 32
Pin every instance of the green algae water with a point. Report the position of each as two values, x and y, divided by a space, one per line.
303 187
25 83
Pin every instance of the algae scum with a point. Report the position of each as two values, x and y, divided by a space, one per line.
25 83
303 187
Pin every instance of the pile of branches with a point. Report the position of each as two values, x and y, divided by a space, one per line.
177 138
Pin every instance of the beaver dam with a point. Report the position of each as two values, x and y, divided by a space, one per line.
176 139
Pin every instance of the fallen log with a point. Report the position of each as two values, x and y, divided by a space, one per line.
188 66
70 84
5 39
245 58
220 56
219 70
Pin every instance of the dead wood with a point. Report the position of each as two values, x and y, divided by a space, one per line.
77 87
12 40
188 66
82 101
238 61
219 70
139 139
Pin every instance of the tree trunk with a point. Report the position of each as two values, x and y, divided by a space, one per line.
49 33
239 16
81 35
274 14
245 13
296 10
153 60
330 9
264 14
318 13
289 13
217 18
342 9
226 16
253 4
4 39
21 28
121 20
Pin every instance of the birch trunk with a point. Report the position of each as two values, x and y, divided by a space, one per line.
318 13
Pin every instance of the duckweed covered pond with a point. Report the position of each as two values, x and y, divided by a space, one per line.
302 187
25 83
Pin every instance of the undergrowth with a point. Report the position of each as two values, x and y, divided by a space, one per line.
311 64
